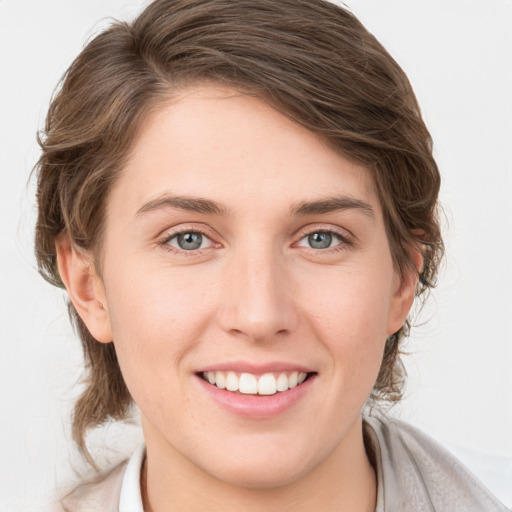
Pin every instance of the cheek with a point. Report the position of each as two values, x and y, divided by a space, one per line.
349 314
156 317
353 303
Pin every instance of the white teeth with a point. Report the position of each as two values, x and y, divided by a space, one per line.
249 384
282 382
267 384
220 380
232 382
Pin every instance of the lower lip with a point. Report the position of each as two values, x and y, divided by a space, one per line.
257 406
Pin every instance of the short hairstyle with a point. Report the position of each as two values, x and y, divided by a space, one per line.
311 60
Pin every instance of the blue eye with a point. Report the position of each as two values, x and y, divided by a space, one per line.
189 241
321 240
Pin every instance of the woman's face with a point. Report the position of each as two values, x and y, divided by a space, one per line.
240 249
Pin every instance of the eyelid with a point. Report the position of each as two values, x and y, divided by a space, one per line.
343 233
204 240
346 239
345 236
170 233
334 235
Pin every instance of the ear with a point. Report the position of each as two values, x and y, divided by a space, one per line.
85 288
404 291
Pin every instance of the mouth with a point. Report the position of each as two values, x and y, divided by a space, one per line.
252 384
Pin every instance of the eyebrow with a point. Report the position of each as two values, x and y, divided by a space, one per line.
187 203
202 205
333 204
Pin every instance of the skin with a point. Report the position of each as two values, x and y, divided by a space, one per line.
255 291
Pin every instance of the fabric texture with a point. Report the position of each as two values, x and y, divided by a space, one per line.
414 474
101 494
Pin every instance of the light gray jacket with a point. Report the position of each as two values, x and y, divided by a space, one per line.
414 474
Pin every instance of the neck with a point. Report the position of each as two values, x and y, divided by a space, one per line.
344 480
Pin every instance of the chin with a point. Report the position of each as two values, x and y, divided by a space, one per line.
262 469
261 476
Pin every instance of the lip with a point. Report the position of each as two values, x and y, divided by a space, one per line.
256 369
256 406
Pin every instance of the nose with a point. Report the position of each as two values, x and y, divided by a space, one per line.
258 298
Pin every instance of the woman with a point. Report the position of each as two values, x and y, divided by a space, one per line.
242 209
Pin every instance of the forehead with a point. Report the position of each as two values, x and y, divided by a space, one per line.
214 142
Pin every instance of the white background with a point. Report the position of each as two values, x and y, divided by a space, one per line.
458 55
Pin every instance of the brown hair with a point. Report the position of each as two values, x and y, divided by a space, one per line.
310 59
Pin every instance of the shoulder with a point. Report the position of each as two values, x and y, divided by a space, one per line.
100 494
417 473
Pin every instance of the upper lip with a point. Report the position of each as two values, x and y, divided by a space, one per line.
260 368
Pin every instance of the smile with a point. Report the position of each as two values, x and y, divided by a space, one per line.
250 384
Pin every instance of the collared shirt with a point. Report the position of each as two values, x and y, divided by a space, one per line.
414 473
130 499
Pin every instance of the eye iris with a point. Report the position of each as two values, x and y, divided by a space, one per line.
190 241
320 240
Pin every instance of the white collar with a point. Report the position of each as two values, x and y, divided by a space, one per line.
130 499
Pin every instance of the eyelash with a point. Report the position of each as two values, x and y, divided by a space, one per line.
345 241
164 242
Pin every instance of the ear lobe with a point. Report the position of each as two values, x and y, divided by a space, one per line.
85 288
405 291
